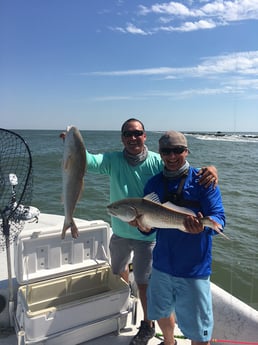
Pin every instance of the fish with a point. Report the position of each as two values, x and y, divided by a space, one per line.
73 170
149 213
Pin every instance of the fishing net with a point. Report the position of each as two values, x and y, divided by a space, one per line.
15 185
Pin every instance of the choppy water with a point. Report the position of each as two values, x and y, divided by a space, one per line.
235 262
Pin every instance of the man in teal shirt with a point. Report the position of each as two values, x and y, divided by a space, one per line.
129 170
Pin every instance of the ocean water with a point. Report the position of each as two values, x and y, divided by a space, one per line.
235 262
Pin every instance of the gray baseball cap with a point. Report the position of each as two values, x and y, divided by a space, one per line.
172 139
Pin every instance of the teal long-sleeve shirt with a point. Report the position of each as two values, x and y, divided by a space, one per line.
126 181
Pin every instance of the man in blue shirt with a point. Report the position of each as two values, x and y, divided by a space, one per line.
180 279
129 170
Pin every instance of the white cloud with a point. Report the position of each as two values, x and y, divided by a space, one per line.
171 8
244 83
229 73
232 10
242 63
209 91
133 72
226 89
195 16
134 30
189 26
112 98
184 94
239 63
229 10
130 28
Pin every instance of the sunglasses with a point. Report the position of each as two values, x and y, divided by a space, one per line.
175 150
135 133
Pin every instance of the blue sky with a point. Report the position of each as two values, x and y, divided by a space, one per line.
183 65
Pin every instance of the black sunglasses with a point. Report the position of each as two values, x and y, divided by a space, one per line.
175 150
135 133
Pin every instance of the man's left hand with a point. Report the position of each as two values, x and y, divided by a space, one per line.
193 224
208 176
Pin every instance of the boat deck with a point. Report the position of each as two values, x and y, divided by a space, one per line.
233 319
7 338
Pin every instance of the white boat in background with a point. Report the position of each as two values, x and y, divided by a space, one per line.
235 321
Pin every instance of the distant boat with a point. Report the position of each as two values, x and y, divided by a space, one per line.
219 134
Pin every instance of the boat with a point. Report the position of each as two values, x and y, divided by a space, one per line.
234 321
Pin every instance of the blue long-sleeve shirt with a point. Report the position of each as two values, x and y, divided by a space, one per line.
183 254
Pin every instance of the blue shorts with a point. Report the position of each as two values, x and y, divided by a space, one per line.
121 250
189 298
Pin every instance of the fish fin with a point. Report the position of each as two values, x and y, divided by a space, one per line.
215 226
64 231
221 233
140 220
152 197
81 191
179 209
68 163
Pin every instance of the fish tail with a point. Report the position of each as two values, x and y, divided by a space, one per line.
65 227
214 225
74 229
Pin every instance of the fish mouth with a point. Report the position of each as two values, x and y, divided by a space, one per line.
110 211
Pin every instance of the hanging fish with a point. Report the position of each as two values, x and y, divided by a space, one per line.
73 170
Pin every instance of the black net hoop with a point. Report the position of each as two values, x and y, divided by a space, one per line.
15 183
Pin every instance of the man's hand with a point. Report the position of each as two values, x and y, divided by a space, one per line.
208 176
136 223
62 135
193 224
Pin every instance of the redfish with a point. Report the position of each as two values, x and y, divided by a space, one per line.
150 213
73 170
